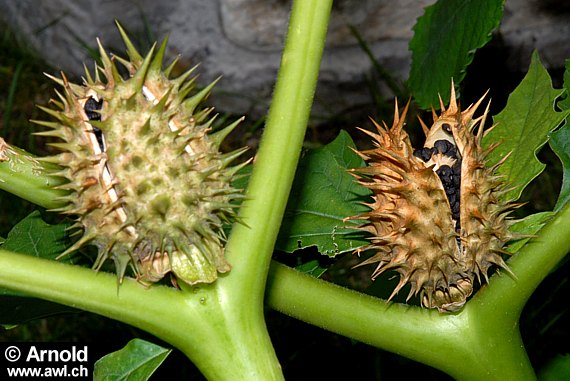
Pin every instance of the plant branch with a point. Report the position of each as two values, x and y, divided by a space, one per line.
27 177
251 243
453 343
447 342
192 322
250 246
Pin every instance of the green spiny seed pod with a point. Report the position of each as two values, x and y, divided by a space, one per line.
146 180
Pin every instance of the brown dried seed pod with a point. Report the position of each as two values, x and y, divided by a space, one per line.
436 237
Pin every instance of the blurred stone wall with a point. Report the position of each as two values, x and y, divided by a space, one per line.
242 39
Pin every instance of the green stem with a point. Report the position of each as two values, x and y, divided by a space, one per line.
25 176
480 342
456 344
191 321
250 246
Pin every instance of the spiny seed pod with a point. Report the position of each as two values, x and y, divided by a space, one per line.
146 180
437 217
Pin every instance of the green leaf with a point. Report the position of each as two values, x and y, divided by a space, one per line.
32 236
557 369
323 194
529 225
565 104
444 41
523 127
560 144
312 268
138 360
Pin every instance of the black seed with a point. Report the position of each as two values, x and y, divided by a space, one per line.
91 110
445 173
457 181
100 139
423 153
443 146
418 153
457 168
455 208
451 182
91 107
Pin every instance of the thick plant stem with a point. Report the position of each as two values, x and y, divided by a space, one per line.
251 243
480 342
25 176
191 321
451 343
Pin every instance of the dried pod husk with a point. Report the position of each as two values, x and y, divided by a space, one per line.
437 216
146 180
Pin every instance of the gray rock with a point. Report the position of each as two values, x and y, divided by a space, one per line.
242 40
